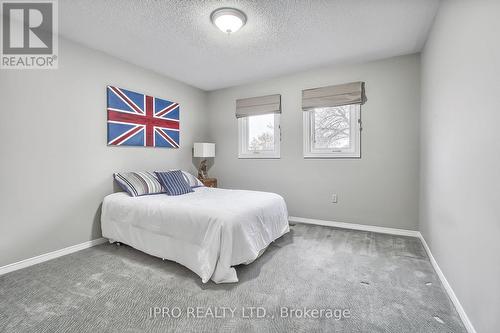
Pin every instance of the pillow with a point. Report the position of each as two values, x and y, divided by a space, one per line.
174 182
138 183
192 180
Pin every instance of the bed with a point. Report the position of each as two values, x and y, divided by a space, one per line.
209 230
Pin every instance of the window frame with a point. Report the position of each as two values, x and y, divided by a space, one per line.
308 137
243 151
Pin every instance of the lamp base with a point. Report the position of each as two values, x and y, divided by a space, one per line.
202 170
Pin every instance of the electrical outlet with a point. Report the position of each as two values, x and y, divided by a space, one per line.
334 198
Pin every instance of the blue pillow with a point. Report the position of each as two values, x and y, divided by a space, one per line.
174 182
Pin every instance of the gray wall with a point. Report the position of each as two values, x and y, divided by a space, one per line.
460 158
380 189
55 165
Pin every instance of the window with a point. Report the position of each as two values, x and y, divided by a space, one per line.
332 132
259 136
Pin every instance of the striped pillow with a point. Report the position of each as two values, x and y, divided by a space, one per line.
174 182
138 183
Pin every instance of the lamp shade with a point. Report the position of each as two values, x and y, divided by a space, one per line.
204 149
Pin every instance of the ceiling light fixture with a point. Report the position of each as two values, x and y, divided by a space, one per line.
228 19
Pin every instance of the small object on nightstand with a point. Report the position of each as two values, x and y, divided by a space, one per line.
209 182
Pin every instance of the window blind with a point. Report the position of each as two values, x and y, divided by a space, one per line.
338 95
258 105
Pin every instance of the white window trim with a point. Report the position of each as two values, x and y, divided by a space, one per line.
308 138
243 151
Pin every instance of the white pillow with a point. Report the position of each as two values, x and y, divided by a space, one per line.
192 180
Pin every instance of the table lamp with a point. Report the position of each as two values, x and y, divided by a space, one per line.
204 150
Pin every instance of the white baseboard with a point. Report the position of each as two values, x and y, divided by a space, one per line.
51 255
447 287
363 227
400 232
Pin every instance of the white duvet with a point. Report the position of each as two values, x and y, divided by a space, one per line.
208 231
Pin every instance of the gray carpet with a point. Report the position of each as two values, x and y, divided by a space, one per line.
382 283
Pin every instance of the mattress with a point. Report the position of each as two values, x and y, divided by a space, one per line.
208 231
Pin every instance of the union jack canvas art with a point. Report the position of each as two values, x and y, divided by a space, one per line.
136 119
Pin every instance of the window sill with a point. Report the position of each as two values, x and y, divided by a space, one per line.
327 156
259 157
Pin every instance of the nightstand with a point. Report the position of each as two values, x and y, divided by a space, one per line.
209 182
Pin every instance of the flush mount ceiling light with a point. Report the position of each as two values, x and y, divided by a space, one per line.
228 19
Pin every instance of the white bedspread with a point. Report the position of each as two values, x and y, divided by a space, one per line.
208 231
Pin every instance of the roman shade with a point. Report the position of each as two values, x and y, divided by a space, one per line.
258 105
338 95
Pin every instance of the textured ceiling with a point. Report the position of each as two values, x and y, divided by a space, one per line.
177 39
